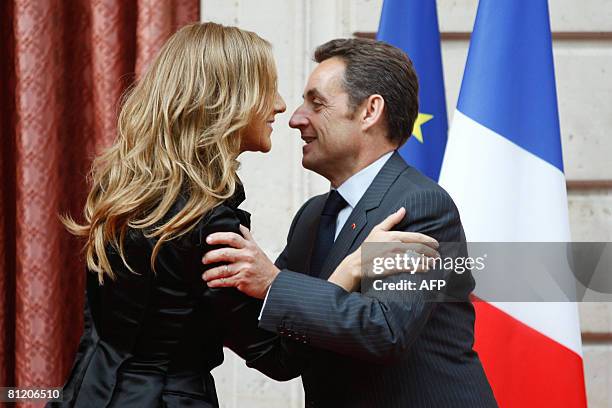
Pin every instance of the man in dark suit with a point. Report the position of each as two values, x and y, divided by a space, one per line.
360 104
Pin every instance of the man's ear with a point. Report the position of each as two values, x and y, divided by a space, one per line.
372 111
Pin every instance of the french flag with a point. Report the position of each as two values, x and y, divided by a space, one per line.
503 166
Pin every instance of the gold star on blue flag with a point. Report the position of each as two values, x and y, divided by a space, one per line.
417 132
412 25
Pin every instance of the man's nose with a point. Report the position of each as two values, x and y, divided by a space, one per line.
298 119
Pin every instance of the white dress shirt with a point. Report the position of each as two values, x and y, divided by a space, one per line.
352 190
355 187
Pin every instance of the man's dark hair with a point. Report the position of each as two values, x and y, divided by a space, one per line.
375 67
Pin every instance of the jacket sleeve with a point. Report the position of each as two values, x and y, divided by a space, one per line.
238 314
378 328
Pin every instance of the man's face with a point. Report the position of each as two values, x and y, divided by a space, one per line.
326 122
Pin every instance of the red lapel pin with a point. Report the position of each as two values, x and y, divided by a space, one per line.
353 226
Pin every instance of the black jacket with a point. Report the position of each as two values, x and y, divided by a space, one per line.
151 338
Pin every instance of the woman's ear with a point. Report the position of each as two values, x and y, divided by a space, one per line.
372 112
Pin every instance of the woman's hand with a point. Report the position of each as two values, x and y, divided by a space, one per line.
348 273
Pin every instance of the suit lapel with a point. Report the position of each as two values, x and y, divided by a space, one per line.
358 219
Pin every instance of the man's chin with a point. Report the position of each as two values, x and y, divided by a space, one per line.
308 158
311 165
306 163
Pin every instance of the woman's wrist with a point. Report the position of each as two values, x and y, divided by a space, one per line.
348 273
355 265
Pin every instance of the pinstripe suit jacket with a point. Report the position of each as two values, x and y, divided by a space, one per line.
367 352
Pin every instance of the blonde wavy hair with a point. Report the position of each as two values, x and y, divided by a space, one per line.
179 131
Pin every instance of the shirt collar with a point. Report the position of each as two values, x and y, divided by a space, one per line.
355 187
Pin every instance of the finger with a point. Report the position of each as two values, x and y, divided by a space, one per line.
414 237
431 264
389 250
393 249
229 255
246 233
230 282
421 249
418 265
219 272
226 238
392 220
426 266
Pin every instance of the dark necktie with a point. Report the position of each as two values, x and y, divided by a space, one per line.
327 230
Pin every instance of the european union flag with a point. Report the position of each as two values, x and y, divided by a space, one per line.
412 25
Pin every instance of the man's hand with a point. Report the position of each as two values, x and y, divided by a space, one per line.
247 267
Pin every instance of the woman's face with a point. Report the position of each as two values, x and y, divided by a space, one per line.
256 137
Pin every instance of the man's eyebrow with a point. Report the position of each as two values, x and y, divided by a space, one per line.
314 93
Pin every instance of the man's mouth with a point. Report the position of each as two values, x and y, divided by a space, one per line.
308 139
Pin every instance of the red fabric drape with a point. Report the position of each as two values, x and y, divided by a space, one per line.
63 67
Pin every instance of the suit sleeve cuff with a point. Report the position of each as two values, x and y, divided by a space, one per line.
293 297
264 302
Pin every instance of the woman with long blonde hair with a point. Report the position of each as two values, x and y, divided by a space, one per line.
153 328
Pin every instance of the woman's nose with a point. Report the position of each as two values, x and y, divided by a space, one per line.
279 104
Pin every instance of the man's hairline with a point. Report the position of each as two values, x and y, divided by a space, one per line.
352 107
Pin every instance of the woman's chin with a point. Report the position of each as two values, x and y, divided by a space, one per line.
265 145
266 148
259 148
